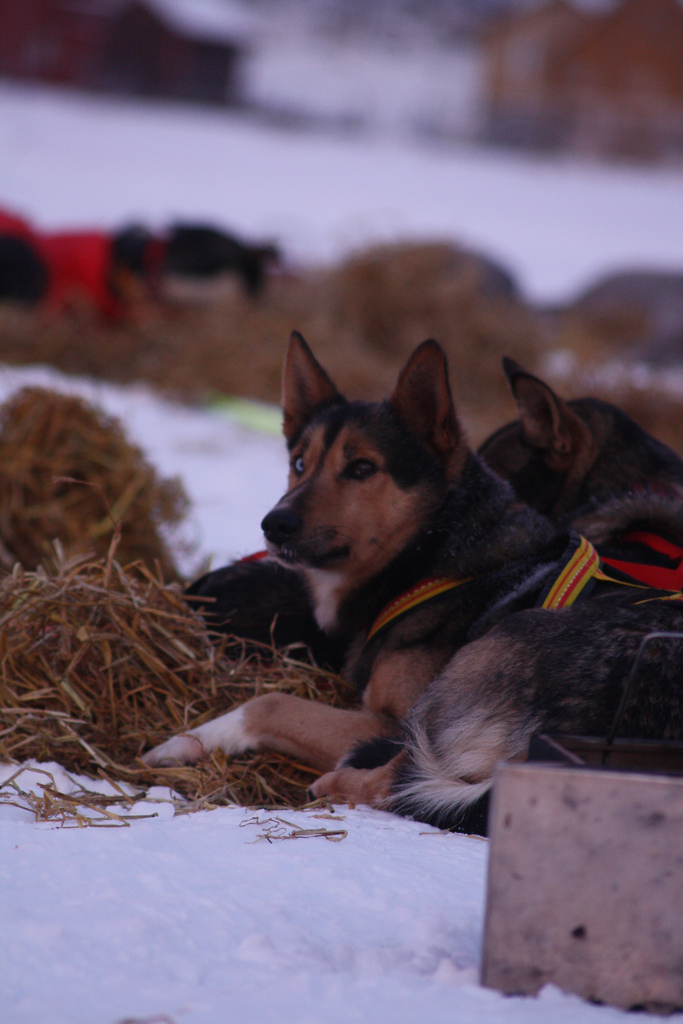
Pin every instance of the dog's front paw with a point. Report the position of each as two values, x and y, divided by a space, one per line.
185 749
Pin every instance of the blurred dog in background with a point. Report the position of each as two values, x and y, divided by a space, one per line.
113 271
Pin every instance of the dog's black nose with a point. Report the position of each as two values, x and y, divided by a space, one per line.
280 525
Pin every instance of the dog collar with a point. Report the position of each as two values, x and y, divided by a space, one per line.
256 557
424 591
582 567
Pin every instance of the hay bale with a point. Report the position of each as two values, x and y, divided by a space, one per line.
68 475
390 294
98 662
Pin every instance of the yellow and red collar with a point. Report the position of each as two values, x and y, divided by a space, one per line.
424 591
583 567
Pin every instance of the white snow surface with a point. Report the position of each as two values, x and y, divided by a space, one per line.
219 916
195 919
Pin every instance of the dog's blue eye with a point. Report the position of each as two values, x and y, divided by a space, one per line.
298 465
360 469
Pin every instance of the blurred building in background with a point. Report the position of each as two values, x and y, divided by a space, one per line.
184 49
607 84
600 77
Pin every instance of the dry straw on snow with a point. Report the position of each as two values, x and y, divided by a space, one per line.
68 475
98 662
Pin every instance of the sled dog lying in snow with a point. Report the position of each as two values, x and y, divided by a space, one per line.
584 464
469 622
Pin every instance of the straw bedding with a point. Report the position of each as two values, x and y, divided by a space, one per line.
98 662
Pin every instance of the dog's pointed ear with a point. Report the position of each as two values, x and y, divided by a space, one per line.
422 398
305 387
547 421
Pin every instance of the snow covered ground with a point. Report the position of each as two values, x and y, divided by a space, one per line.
226 915
200 920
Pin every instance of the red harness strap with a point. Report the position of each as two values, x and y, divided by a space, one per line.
657 576
256 557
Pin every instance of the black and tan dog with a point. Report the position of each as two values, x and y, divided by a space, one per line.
440 585
584 464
